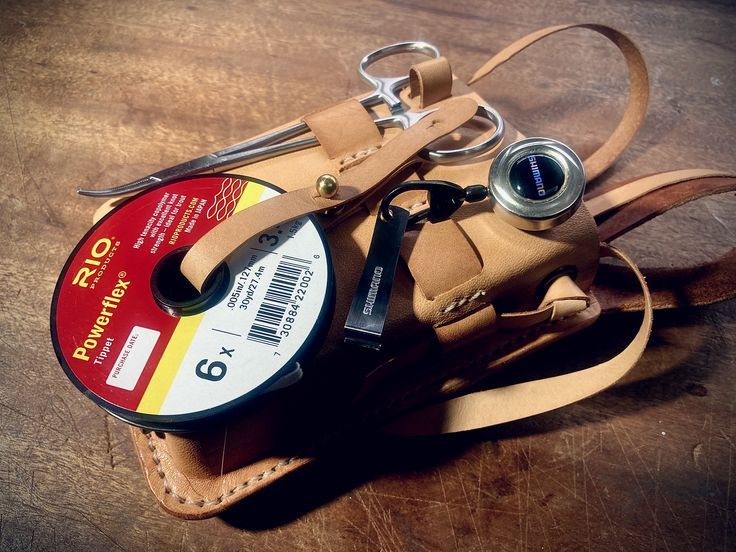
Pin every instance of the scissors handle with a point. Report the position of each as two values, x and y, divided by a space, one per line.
387 88
442 157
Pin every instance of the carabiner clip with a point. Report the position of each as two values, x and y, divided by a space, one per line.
443 198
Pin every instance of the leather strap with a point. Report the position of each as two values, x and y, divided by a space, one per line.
601 202
431 80
563 298
636 107
506 404
355 184
344 128
620 209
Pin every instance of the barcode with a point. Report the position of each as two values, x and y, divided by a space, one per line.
280 293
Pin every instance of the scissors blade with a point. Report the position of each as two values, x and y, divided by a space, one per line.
229 157
187 168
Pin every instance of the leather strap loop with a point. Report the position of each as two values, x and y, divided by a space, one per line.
563 298
514 402
344 128
431 80
636 107
355 184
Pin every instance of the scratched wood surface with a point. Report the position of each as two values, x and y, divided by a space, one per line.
97 93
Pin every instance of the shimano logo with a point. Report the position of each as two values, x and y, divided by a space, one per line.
370 300
538 182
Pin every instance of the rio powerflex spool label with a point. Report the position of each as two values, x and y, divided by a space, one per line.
157 369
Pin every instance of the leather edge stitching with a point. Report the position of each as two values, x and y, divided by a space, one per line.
354 159
169 488
462 300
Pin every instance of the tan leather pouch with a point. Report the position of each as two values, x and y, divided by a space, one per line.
467 300
346 390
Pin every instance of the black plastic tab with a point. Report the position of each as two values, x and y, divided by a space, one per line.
369 310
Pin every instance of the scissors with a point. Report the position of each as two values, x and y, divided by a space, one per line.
280 142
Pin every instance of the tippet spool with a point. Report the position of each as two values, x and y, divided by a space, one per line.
135 337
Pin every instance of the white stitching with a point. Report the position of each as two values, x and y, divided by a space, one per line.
168 488
358 154
372 414
460 302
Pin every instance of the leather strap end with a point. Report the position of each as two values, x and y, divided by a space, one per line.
431 81
344 128
514 402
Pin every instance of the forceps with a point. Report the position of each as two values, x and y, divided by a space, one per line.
385 90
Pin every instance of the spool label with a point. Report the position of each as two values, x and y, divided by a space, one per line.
115 340
128 367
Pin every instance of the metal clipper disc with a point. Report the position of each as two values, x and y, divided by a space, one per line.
536 183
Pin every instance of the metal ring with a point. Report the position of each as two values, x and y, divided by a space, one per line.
417 46
536 214
442 157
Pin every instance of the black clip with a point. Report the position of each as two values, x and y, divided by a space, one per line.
369 309
443 198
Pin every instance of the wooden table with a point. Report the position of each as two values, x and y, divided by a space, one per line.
99 93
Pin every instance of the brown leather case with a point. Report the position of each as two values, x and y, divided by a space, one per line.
466 302
453 281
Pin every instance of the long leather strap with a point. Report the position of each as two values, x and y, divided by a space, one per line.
620 209
506 404
603 202
355 183
636 107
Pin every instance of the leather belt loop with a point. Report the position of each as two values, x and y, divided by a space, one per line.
431 80
344 128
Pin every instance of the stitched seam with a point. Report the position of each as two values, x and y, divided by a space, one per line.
182 499
460 302
358 155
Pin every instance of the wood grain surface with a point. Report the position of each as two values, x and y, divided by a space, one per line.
98 93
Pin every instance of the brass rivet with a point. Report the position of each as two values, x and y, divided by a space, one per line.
327 186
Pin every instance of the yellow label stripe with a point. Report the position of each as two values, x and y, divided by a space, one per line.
169 364
160 384
251 195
